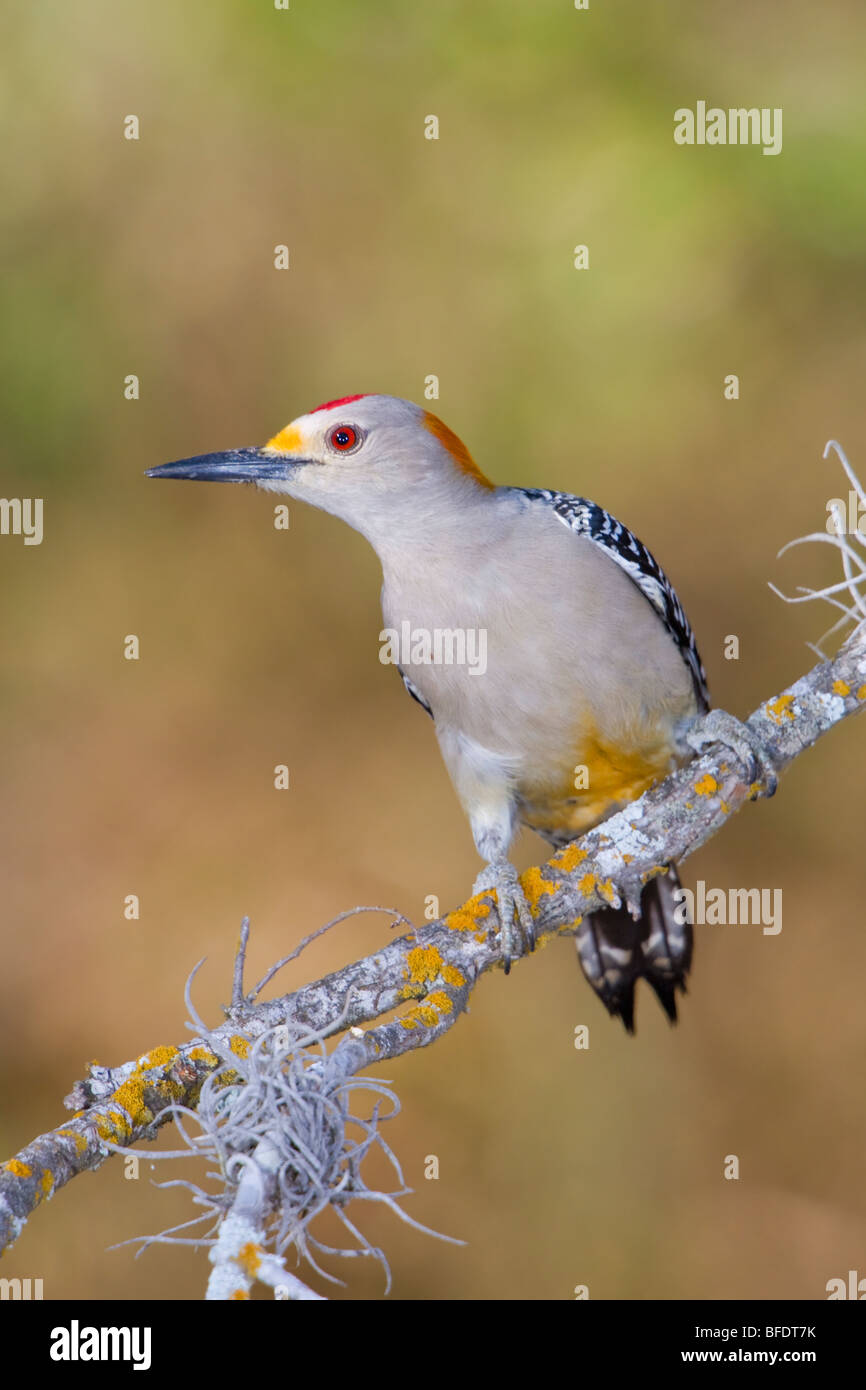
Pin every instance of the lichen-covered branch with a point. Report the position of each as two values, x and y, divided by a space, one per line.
424 977
416 986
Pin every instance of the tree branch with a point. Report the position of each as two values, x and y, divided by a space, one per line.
434 967
262 1061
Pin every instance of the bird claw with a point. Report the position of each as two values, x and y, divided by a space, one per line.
502 877
719 727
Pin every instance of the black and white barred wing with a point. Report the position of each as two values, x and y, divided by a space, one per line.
587 519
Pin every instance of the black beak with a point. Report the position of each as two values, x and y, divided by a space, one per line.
235 466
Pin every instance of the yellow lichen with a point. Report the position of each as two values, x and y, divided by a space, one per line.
112 1127
131 1096
238 1294
158 1057
534 886
434 1008
706 785
608 892
422 1013
46 1182
840 688
240 1045
467 917
17 1168
861 693
249 1257
649 874
568 858
117 1126
587 884
441 1001
204 1054
452 976
425 964
78 1139
780 709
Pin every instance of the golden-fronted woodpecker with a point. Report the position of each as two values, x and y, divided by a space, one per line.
590 681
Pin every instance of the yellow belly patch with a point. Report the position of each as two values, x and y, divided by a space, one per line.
613 777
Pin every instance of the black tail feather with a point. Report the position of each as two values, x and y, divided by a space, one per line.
615 951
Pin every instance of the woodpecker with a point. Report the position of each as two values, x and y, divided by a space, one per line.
590 661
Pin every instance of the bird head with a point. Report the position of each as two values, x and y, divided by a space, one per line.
371 460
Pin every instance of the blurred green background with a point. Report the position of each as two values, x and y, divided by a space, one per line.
411 257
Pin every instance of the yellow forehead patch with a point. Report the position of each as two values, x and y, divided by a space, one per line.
288 441
456 448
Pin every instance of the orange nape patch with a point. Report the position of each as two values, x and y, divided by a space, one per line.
456 448
288 441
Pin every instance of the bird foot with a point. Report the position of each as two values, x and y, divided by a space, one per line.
724 729
501 876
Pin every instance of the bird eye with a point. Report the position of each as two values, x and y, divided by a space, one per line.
343 438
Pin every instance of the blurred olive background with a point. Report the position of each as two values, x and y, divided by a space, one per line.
411 257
